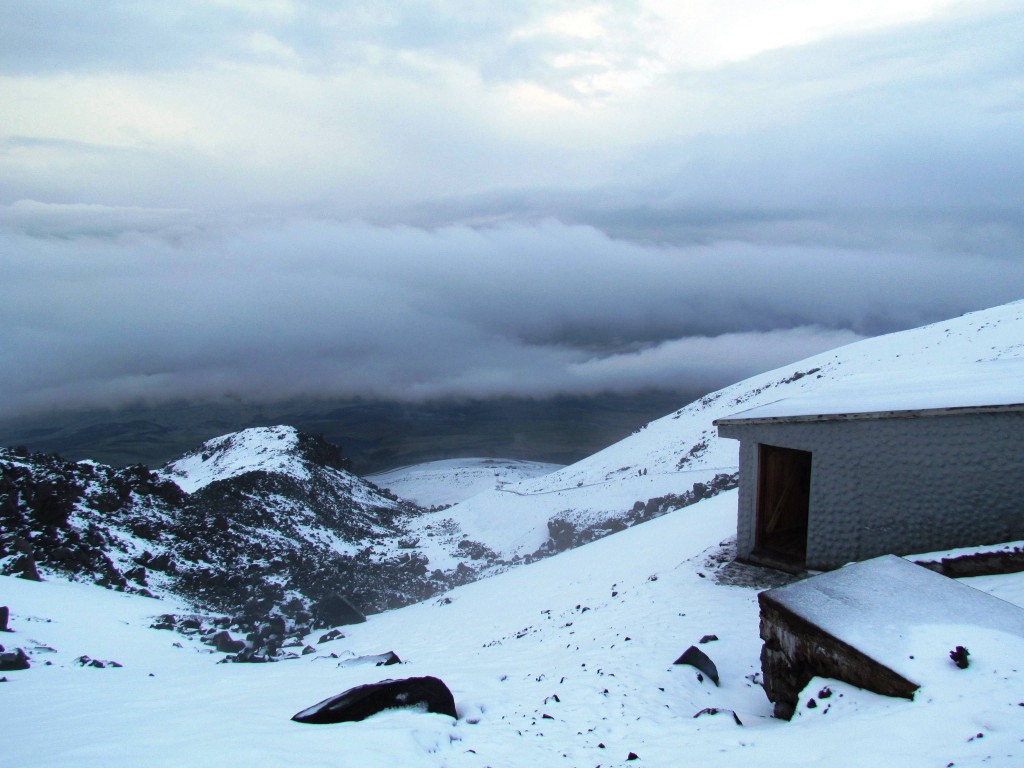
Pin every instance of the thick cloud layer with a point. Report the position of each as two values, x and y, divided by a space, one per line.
317 307
424 200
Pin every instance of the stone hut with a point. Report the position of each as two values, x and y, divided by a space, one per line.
882 466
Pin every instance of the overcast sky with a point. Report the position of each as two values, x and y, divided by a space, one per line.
419 199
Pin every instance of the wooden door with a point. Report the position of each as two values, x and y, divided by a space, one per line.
783 503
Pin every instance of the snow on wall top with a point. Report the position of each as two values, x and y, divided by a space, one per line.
886 608
268 449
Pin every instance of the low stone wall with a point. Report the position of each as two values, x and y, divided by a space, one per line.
795 650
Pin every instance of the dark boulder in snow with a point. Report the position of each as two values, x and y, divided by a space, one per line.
334 634
5 615
359 703
959 656
224 643
377 659
695 657
12 661
25 566
336 609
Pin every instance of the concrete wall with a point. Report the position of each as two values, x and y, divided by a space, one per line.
896 485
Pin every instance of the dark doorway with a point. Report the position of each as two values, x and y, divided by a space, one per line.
783 499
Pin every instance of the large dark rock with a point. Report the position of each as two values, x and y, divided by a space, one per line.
336 609
25 567
695 657
358 703
5 615
224 643
12 661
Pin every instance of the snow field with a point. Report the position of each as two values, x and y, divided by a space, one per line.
449 481
505 646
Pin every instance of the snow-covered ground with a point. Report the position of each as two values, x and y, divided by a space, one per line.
567 661
436 483
586 637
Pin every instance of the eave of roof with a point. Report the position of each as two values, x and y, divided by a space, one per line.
913 413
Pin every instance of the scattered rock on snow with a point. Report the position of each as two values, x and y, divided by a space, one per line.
959 656
708 639
695 657
86 661
365 700
377 659
718 711
5 615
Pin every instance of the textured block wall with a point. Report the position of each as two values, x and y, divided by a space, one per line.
899 485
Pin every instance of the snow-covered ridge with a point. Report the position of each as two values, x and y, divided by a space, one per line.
449 481
266 449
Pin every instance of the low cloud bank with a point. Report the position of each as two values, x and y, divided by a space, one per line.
103 307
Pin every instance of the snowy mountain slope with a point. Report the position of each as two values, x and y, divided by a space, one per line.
274 524
439 483
301 482
669 455
262 449
564 661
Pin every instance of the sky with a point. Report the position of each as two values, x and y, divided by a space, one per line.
416 200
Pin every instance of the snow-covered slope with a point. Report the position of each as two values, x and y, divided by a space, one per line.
566 661
669 455
438 483
272 524
265 449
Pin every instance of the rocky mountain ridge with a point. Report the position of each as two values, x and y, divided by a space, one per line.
264 534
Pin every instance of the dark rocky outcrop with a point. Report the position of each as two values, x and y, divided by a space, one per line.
5 616
696 658
359 703
250 545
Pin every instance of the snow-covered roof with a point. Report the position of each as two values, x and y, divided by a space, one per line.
989 386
